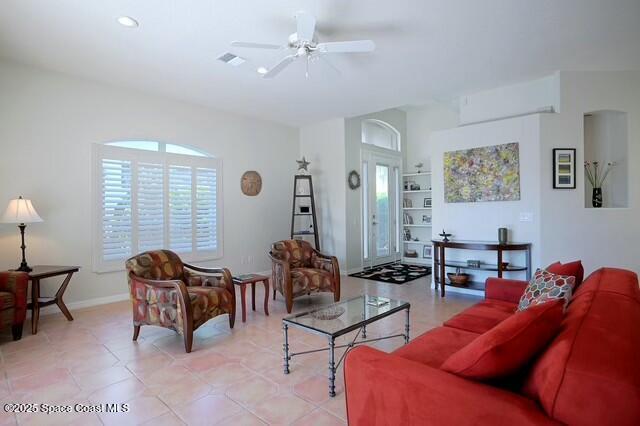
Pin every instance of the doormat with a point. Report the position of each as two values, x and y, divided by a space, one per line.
396 273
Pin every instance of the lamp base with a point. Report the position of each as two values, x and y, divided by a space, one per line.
24 267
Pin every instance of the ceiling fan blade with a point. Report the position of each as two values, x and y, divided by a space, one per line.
279 66
306 26
252 45
358 46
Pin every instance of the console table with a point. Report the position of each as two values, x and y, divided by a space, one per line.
440 263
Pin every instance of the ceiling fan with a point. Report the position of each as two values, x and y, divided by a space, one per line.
303 44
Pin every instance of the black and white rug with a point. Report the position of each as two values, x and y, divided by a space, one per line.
397 273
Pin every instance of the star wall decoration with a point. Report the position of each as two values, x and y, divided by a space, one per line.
303 165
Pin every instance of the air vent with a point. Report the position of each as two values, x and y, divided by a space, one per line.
231 59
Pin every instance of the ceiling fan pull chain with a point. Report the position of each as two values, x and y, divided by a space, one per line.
307 72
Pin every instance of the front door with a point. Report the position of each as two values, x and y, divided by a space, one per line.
381 183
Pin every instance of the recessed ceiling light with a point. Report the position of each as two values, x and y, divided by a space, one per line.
128 21
262 70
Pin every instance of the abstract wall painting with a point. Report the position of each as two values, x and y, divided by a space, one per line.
488 173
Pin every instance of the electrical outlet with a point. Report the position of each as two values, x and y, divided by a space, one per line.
526 217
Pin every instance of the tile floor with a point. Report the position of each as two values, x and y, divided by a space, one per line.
232 377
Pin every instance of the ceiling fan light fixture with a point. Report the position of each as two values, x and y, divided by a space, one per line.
262 70
128 21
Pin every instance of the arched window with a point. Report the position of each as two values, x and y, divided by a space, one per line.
154 195
381 134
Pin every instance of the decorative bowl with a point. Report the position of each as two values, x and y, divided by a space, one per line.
458 278
329 313
504 265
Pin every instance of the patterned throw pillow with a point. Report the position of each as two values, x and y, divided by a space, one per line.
545 286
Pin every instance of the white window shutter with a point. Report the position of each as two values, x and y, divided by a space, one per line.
116 209
180 209
150 201
206 209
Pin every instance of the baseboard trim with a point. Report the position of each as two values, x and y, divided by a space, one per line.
52 309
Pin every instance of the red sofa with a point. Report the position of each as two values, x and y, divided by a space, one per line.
588 375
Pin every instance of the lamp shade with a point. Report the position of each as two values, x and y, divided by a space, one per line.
20 211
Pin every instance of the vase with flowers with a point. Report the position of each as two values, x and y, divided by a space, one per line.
596 178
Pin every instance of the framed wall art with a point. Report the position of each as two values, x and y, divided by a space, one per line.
564 168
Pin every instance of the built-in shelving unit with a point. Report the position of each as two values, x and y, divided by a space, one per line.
416 217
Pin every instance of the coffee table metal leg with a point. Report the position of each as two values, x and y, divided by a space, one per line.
285 328
364 331
406 329
332 368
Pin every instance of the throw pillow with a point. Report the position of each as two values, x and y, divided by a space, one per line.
546 286
573 269
510 345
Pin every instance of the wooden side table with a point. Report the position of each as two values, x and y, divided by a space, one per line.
47 271
242 281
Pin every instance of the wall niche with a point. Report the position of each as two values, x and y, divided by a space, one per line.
606 141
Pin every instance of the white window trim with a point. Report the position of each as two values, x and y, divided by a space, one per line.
101 151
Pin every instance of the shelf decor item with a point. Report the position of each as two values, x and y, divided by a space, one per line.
473 263
426 252
459 277
21 211
445 236
596 178
503 235
427 202
564 168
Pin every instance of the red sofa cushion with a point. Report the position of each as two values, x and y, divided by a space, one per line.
482 316
573 269
507 347
590 374
435 346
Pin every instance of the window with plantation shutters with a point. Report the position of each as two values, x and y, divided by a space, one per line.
151 195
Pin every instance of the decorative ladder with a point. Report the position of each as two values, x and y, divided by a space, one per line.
301 233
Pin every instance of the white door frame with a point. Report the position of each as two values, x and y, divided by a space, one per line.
371 157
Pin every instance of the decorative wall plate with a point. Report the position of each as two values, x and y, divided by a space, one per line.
251 183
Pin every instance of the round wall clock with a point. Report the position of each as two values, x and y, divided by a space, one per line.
354 180
251 183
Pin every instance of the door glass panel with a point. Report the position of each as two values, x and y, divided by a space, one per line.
382 211
365 210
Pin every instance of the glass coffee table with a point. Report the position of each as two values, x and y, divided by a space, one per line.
340 318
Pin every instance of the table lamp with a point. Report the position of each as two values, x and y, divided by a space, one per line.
21 211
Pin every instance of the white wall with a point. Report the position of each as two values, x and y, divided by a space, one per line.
521 98
323 144
480 221
421 123
600 237
48 122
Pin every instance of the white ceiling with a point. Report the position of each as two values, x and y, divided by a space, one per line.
426 49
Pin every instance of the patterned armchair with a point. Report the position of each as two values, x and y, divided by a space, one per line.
297 269
13 301
169 293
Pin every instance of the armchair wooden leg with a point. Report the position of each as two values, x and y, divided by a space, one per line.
336 296
274 293
188 341
136 332
232 319
16 330
289 303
